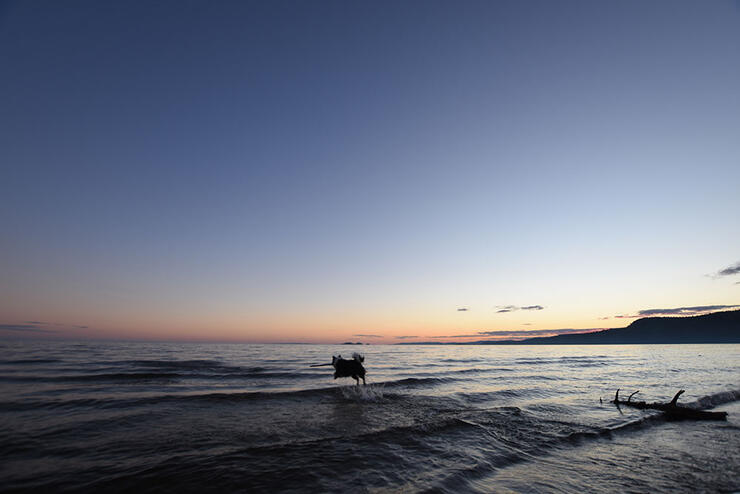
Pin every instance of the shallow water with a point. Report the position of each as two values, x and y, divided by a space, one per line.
171 417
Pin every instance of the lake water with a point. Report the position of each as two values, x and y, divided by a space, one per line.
168 417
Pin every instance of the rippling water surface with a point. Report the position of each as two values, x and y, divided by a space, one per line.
256 418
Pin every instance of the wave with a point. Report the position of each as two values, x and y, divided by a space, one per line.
462 361
419 382
568 361
248 374
178 364
484 396
30 361
106 403
453 374
578 437
333 392
118 376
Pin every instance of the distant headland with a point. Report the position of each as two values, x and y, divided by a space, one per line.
717 327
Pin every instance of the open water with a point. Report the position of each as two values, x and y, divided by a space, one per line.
167 417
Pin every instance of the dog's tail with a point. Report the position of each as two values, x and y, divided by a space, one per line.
358 357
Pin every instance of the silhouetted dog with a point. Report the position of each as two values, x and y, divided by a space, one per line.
349 368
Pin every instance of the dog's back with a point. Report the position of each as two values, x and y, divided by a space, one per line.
349 368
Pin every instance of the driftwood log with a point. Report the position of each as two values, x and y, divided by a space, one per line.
672 410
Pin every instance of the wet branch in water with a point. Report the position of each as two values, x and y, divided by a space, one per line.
672 410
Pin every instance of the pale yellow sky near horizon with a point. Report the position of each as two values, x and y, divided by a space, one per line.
423 322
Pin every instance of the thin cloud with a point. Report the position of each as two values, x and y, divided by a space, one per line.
518 333
39 327
536 332
27 328
58 324
405 337
677 311
511 308
684 311
457 336
729 271
462 309
368 335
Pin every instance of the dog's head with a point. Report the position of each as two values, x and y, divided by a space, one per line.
334 360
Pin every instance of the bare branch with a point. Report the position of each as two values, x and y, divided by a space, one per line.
675 398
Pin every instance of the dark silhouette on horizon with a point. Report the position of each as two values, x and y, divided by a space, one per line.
717 327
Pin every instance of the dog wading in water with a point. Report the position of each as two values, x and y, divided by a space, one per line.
347 368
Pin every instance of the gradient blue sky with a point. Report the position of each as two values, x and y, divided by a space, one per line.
311 171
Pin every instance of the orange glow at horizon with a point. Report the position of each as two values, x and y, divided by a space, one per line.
375 323
297 329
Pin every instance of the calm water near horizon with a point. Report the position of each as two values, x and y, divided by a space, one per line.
166 417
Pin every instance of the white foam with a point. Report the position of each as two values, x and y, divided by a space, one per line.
370 392
719 398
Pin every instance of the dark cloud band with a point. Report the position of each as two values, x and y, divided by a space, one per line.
730 270
520 333
536 332
684 311
677 311
511 308
28 328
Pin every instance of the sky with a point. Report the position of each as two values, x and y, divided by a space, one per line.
365 171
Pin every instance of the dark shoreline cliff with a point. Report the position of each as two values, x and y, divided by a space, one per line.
717 327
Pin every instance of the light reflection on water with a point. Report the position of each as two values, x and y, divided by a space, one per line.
139 415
